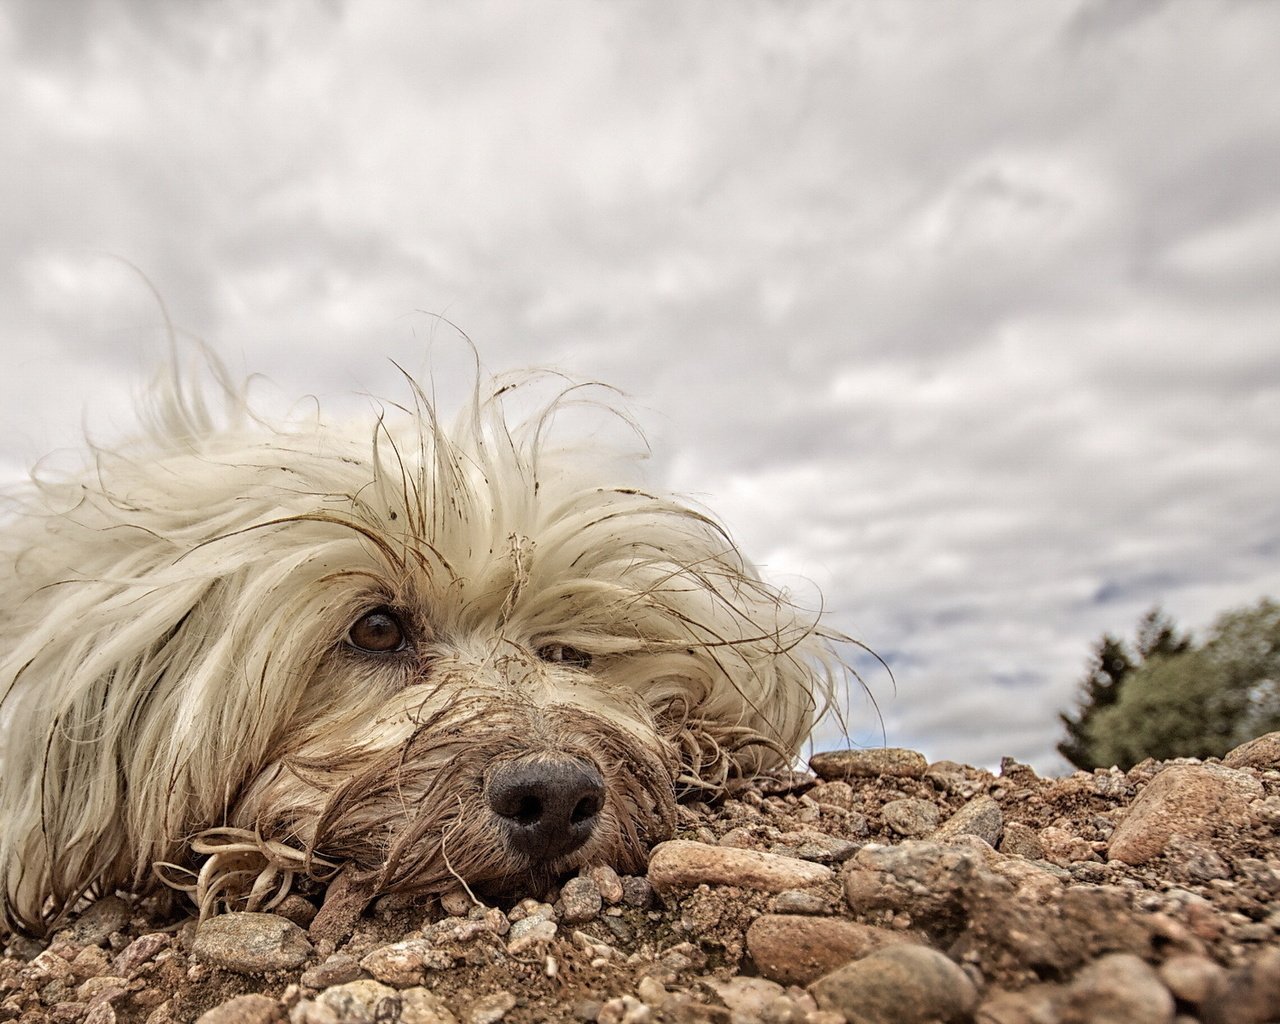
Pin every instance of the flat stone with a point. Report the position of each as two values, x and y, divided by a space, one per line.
980 817
337 970
251 943
1120 988
895 762
1261 752
902 984
794 949
1188 800
746 998
251 1009
799 901
680 864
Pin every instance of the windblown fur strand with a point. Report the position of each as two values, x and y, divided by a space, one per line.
175 658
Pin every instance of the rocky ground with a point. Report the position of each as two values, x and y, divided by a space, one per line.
877 889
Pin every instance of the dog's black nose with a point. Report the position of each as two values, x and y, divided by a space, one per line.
549 807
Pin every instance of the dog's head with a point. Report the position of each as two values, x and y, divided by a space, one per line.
439 656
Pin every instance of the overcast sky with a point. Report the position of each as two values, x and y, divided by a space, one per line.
968 313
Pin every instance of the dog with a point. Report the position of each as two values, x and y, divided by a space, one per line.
236 653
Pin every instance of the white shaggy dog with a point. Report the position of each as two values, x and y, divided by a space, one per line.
233 654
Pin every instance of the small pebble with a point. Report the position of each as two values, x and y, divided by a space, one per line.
910 817
406 963
1192 979
422 1006
624 1010
140 951
456 903
1021 841
580 900
491 1008
608 882
249 1009
637 892
530 933
356 1002
980 817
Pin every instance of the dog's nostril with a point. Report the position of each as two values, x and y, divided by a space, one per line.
588 807
549 807
528 811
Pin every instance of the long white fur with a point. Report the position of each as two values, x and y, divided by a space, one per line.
171 625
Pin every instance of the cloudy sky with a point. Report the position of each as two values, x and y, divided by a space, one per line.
969 314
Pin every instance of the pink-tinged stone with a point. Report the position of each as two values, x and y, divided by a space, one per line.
1188 800
794 949
680 864
1262 752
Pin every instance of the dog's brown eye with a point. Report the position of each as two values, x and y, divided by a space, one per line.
378 632
563 654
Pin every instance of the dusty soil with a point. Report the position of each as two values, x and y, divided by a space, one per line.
1008 889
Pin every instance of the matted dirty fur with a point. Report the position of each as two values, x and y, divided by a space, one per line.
188 690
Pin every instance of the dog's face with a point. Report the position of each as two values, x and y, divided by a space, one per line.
441 658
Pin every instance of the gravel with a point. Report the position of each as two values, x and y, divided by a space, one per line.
1140 896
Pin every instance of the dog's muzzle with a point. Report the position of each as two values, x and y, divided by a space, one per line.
547 807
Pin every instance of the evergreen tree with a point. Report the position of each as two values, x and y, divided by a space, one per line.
1157 635
1108 666
1181 699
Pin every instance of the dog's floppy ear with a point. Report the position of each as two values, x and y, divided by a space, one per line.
84 671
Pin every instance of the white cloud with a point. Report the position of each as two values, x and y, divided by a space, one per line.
965 314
